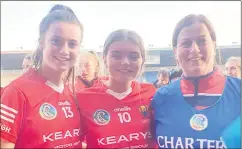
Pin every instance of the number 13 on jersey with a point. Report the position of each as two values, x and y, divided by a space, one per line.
67 111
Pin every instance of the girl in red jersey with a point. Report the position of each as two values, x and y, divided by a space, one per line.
115 113
37 110
88 71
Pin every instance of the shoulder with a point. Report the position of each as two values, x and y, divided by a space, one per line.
234 83
165 92
147 86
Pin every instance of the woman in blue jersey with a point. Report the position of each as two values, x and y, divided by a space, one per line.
194 111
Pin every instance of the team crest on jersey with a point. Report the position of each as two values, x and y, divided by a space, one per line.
101 117
47 111
143 110
199 122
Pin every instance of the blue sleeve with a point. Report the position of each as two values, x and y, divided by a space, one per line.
158 98
236 85
231 134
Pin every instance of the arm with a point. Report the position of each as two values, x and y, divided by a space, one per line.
6 144
12 107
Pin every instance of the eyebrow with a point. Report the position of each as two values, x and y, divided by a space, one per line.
73 40
198 37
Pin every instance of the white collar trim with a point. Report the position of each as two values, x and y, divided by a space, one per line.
58 89
119 96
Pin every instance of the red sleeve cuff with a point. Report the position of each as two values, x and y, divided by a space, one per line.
8 137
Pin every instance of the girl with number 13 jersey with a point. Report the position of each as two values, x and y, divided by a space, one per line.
37 109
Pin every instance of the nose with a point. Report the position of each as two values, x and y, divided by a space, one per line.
125 61
194 47
64 49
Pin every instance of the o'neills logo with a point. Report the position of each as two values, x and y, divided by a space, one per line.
125 108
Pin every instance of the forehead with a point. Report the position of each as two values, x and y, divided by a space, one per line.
230 64
124 47
87 58
193 31
65 30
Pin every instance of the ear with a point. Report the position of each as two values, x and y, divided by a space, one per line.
215 50
41 44
105 61
176 57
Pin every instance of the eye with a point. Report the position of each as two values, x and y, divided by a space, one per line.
56 42
134 56
116 55
186 44
72 45
201 42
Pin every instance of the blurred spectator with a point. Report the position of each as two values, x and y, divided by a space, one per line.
27 62
162 78
175 74
233 67
88 71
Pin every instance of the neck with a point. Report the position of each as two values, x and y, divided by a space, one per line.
51 75
86 82
118 86
200 76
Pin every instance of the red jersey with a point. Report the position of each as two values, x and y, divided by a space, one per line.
113 123
34 114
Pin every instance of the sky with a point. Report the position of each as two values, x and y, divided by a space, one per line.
153 20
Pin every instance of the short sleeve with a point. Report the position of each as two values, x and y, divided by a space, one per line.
158 98
11 115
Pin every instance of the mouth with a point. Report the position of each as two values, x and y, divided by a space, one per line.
62 59
124 70
195 59
84 76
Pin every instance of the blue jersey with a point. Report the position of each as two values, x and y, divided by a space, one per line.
180 125
231 135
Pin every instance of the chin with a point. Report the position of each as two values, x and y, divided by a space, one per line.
124 78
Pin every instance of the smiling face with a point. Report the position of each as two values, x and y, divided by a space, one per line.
195 50
123 60
61 45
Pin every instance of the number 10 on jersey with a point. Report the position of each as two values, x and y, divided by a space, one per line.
124 117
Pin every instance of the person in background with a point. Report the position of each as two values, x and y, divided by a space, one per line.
27 62
88 71
162 78
116 112
193 111
233 67
37 109
175 74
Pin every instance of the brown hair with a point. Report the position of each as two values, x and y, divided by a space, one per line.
57 13
164 72
189 20
124 34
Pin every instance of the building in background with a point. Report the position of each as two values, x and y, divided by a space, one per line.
11 61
